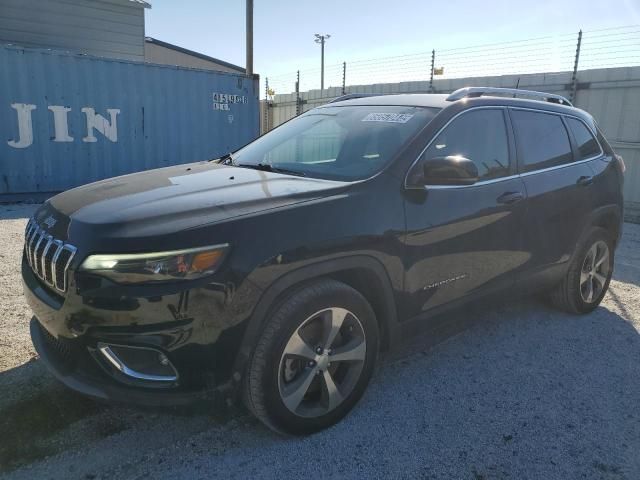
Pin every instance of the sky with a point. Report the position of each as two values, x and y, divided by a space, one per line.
284 29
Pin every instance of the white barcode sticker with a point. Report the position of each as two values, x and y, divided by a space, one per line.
388 117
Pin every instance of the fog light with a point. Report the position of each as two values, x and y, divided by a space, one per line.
140 363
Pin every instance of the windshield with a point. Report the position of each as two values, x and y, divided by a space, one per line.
337 143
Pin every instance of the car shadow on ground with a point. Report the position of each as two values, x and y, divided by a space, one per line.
43 418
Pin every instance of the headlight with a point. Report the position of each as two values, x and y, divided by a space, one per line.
185 264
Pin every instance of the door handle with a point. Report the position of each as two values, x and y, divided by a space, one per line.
585 180
509 198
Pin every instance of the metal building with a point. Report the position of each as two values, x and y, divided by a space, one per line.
157 51
105 28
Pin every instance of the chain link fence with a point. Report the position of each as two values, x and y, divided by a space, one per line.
604 48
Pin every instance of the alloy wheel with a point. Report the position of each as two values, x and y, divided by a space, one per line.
322 362
595 272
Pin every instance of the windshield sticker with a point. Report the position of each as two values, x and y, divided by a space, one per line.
388 117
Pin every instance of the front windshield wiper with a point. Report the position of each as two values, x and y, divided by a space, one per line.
226 159
265 167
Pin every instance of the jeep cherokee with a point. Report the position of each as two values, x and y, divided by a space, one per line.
278 272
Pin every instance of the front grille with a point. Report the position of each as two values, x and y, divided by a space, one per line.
48 258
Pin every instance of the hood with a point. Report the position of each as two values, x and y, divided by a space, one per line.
176 198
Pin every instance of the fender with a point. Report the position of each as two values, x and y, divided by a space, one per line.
606 216
273 295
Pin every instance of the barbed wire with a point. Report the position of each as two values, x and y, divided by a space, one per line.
600 48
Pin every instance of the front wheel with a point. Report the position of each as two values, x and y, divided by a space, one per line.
589 274
314 359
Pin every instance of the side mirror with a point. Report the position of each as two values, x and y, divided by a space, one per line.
450 170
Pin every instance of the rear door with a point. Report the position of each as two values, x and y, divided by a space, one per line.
558 185
465 240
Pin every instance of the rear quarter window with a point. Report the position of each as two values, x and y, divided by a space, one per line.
587 144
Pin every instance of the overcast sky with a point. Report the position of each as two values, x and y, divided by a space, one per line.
361 29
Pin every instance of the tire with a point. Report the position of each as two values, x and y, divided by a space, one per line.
572 294
294 354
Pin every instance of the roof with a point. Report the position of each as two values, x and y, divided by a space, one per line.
186 51
141 2
129 3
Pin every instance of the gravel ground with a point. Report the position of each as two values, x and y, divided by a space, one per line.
524 392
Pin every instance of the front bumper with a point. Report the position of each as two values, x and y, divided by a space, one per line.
192 328
84 379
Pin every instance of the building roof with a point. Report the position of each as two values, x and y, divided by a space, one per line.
142 2
129 3
186 51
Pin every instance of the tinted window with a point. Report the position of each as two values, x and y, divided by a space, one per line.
338 143
542 140
587 144
480 136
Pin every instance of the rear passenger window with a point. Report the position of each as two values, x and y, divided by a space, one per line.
542 140
587 144
480 136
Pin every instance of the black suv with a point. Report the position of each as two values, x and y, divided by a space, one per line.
277 273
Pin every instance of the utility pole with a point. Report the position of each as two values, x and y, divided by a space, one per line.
321 39
249 32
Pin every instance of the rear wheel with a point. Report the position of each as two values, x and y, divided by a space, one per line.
313 360
587 279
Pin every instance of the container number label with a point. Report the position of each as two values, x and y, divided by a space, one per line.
222 101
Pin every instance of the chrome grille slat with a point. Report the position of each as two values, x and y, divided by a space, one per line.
43 259
72 252
30 245
54 271
30 230
36 260
48 257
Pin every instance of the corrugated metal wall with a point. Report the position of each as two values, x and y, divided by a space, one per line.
611 95
107 28
67 120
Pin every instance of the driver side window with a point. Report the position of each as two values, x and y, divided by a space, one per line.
479 135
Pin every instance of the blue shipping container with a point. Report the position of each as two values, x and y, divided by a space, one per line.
67 120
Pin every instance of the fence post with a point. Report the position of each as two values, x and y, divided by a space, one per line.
298 103
574 78
265 122
433 65
344 78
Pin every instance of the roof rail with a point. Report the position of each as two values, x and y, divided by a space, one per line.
351 96
471 92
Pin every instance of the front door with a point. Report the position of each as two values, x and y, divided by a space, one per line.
465 240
